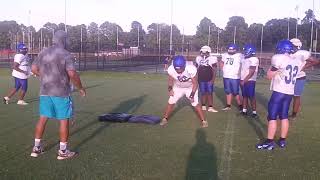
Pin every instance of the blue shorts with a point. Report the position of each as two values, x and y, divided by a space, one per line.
206 87
299 86
60 108
248 89
21 83
279 105
231 86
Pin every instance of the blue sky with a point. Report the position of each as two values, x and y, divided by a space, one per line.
186 14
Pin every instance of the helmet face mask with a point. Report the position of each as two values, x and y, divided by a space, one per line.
249 51
22 48
297 43
232 48
179 64
205 51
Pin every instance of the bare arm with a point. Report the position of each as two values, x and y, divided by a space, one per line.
75 78
16 67
271 72
35 70
310 62
252 70
194 83
170 85
214 71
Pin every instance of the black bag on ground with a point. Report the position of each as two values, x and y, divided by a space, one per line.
147 119
115 117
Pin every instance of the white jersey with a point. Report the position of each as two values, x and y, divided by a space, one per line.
245 68
209 61
23 61
301 55
183 80
231 65
288 69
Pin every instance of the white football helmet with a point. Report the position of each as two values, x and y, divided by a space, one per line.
296 42
205 49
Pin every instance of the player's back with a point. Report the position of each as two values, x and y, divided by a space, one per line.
53 63
288 69
231 65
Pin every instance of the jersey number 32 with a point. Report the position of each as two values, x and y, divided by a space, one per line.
293 71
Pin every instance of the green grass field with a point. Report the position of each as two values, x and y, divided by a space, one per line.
182 150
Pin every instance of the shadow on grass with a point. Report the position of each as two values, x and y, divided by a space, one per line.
128 106
202 160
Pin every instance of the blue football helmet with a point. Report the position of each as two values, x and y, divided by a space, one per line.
249 50
232 47
179 63
22 48
284 46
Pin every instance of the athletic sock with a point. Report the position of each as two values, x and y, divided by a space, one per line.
203 105
244 110
269 140
254 112
282 139
63 146
37 142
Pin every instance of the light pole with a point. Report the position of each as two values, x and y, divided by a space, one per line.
65 15
296 9
171 27
311 36
209 35
261 41
234 34
288 30
138 36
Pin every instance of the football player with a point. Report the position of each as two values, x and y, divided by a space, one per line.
249 70
182 81
230 65
21 71
207 66
305 56
283 74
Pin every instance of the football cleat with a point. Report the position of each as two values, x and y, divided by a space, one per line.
282 143
266 145
204 124
6 100
211 109
164 121
66 154
22 102
36 151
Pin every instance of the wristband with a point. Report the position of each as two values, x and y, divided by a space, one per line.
192 95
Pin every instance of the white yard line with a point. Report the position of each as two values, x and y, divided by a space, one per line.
225 164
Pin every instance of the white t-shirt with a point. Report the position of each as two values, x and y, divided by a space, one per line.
183 80
301 55
245 67
23 61
232 65
288 69
206 61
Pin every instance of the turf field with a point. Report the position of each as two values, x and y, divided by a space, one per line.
121 151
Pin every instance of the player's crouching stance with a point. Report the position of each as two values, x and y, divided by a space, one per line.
283 72
182 81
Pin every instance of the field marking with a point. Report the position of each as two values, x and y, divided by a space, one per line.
225 164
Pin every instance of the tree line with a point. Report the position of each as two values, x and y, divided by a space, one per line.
110 36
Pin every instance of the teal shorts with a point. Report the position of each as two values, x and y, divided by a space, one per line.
59 108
